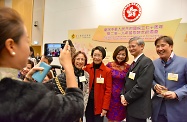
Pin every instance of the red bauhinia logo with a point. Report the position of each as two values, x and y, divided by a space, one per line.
132 12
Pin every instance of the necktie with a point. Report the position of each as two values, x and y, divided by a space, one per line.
132 65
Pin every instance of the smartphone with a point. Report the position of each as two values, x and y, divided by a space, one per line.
53 49
40 75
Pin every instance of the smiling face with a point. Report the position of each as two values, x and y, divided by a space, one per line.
121 56
163 49
28 67
135 49
79 61
25 70
97 57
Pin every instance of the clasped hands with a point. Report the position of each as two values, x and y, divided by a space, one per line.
164 92
123 101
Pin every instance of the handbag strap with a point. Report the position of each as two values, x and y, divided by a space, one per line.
59 86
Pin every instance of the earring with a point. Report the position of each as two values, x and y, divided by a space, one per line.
13 53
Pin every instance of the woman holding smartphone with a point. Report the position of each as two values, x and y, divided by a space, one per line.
31 102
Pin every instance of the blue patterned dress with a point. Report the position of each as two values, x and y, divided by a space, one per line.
117 111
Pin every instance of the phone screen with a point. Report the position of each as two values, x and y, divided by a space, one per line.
53 49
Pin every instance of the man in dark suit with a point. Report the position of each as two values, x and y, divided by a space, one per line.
137 93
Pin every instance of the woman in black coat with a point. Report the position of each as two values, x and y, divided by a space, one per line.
26 101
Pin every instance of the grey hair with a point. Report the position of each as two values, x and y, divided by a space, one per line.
139 40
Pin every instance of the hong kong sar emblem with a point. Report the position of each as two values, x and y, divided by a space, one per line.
132 12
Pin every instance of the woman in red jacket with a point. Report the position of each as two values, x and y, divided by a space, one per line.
100 86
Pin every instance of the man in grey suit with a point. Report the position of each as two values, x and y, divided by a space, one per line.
137 93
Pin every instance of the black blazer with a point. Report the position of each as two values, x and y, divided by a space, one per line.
138 91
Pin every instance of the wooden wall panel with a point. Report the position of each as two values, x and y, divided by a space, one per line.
25 9
37 49
2 3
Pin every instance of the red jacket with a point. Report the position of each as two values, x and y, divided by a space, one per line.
102 92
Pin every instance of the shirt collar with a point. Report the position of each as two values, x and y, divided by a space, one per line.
169 61
137 57
172 54
170 57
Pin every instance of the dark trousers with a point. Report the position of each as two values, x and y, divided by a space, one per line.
89 113
133 119
162 116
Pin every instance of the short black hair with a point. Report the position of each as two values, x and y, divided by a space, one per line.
100 48
49 58
30 62
167 39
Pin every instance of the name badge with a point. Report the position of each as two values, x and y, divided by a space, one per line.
172 76
100 80
82 78
132 75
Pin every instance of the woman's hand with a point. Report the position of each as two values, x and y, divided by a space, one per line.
65 56
33 70
104 112
65 61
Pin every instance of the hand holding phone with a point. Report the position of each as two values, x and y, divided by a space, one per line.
65 58
40 75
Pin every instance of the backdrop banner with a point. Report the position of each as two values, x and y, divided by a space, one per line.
83 40
149 32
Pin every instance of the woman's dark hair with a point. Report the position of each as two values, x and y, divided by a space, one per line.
70 42
73 51
49 59
72 48
11 26
100 48
76 54
167 39
32 50
30 62
117 50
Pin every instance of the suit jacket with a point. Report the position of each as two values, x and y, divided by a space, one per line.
102 92
138 91
174 107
